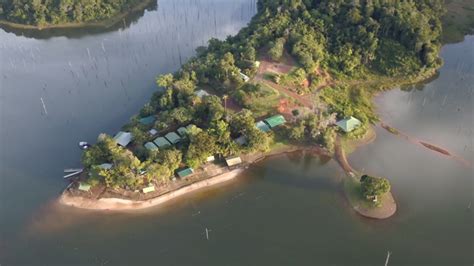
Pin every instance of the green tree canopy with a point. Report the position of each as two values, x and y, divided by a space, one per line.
374 186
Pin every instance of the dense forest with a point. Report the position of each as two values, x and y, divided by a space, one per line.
43 12
349 39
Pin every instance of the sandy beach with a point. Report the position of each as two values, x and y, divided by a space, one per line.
116 204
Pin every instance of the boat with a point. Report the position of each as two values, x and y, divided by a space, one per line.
84 145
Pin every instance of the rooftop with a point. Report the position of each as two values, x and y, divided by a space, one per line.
123 138
150 146
148 189
182 131
275 121
201 93
173 137
106 166
147 120
349 124
84 187
232 161
161 142
185 172
262 126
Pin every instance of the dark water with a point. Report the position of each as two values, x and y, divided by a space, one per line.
287 210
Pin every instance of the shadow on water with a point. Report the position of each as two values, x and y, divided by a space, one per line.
86 30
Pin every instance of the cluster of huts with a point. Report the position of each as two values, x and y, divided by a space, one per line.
172 138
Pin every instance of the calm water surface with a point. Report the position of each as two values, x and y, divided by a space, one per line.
288 210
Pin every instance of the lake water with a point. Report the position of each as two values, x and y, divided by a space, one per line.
287 210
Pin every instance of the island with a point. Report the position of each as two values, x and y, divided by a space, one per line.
300 76
27 14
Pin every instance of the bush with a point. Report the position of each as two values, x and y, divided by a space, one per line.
374 186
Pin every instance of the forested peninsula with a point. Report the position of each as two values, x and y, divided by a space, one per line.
301 75
64 13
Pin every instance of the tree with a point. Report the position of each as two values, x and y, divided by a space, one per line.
171 159
202 145
374 186
220 130
227 69
99 153
297 131
277 49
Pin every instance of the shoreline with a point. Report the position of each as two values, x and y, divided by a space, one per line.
117 204
107 23
121 204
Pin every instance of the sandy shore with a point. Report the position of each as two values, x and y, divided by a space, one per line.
116 204
387 210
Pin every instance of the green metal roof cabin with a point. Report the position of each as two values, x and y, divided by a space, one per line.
182 131
147 120
185 172
150 146
349 124
162 142
123 138
275 121
173 137
262 126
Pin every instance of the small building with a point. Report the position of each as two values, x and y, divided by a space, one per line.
242 140
201 93
185 172
182 131
173 137
349 124
147 120
257 64
123 138
150 146
275 121
210 159
161 142
84 187
153 132
106 166
233 161
262 126
148 189
244 77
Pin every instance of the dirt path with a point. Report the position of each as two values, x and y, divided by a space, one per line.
341 157
281 68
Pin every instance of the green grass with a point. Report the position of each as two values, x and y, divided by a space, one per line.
264 101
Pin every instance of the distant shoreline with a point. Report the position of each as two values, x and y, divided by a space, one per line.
107 23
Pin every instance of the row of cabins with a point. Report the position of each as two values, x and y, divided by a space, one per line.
172 138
